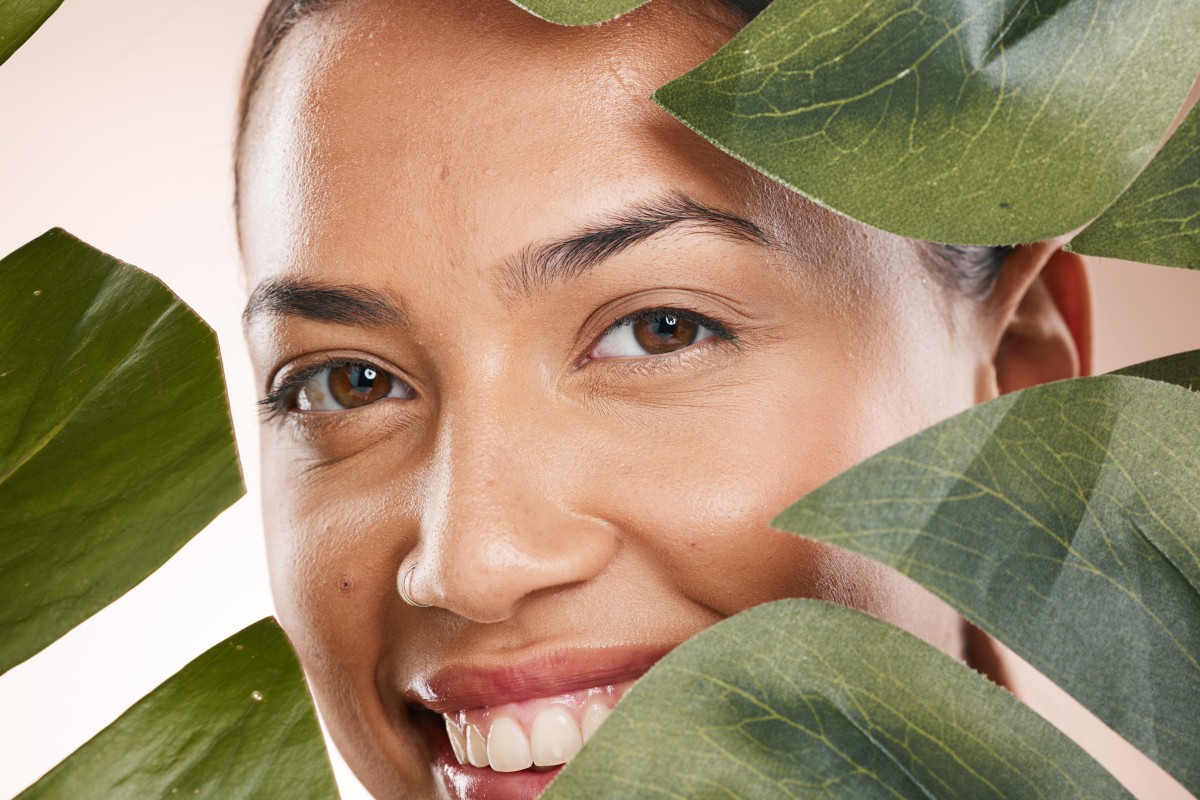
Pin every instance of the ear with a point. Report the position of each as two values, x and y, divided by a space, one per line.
1041 317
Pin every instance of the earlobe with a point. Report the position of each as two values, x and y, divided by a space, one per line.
1042 307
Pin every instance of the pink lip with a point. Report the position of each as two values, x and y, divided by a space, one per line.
465 686
470 783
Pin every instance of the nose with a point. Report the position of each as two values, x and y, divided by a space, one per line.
496 526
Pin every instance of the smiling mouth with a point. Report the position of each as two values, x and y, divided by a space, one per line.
527 718
540 732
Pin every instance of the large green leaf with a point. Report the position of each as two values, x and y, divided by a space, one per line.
578 12
236 722
115 437
969 122
1181 369
1065 521
804 699
1158 219
18 21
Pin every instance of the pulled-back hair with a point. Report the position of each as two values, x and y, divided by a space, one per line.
970 269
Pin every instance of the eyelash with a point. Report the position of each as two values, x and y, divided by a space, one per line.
277 401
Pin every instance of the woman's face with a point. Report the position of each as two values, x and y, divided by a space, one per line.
549 363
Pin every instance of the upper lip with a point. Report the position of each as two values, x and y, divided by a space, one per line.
464 686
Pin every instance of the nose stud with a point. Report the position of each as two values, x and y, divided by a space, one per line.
406 587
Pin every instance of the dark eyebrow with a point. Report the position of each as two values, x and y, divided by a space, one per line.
534 266
340 305
563 259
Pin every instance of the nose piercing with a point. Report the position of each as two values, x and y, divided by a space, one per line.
405 585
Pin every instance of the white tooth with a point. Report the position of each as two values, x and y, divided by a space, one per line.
507 747
476 747
555 736
594 713
458 742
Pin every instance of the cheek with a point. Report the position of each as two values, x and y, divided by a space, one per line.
695 490
696 496
702 518
335 538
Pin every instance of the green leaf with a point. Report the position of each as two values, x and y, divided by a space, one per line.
965 122
578 12
1158 220
1065 521
805 699
116 444
18 21
1181 369
235 723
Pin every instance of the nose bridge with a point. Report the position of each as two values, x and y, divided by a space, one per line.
496 526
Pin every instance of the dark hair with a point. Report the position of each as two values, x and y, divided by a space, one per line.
969 268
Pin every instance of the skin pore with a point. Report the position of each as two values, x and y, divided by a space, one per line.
542 356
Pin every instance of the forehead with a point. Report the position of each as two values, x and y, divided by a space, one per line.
465 129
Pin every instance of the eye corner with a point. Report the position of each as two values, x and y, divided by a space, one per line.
273 406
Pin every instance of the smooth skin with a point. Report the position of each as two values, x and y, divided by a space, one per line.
548 495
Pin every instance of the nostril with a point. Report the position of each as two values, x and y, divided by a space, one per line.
405 585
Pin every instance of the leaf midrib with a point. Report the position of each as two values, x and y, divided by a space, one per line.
49 436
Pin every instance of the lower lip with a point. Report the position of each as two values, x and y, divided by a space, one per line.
473 783
464 782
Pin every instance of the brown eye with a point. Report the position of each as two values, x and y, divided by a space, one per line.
338 386
656 332
664 333
355 385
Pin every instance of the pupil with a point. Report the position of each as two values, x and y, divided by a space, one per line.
665 326
363 379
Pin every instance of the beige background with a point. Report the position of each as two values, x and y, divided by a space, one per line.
117 125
